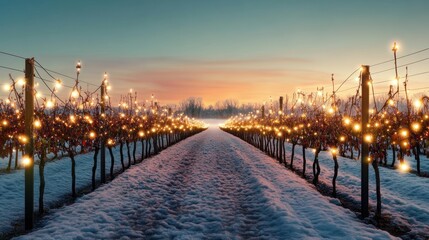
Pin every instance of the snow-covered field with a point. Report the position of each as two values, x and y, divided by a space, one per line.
58 184
405 196
211 186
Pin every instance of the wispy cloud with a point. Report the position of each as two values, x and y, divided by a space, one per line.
212 84
174 79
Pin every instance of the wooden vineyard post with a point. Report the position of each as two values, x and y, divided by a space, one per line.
102 144
29 146
279 140
365 145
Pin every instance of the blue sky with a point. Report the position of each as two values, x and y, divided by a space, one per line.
247 50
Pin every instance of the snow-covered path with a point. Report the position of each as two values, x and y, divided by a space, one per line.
211 185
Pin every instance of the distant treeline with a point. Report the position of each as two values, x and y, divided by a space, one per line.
194 107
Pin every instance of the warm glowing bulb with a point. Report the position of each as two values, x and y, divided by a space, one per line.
110 142
356 127
331 110
5 123
92 134
141 133
75 94
404 133
58 84
334 151
23 139
49 104
368 138
391 102
78 66
72 118
404 166
395 47
347 121
416 126
7 87
342 138
418 104
21 82
26 161
37 124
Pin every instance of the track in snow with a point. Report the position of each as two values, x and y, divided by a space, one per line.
211 185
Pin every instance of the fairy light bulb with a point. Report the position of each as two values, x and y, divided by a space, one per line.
21 82
415 127
49 104
404 166
418 104
347 121
92 135
7 87
395 47
23 139
75 93
78 67
404 133
58 84
72 118
26 161
37 124
357 127
368 138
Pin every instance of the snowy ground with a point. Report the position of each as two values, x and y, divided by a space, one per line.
211 185
405 196
58 185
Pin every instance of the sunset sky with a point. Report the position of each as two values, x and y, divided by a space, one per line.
247 50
